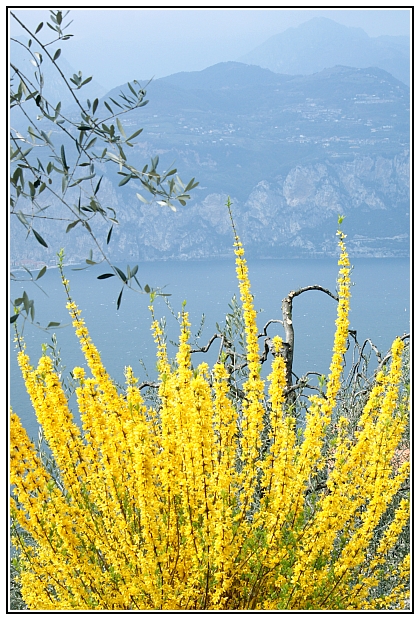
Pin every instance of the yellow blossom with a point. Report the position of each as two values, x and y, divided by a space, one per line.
203 501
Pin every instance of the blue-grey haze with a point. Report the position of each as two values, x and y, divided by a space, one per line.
119 44
292 151
380 310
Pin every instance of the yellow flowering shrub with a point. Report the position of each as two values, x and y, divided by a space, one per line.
158 509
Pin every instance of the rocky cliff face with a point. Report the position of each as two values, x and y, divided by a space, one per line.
293 215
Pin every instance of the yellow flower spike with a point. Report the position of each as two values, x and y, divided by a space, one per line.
252 407
277 385
321 409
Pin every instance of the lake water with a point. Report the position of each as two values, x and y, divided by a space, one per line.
380 310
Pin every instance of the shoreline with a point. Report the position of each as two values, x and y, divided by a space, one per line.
42 265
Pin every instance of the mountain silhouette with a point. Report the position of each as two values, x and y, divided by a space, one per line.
321 43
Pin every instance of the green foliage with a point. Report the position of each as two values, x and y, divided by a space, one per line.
56 165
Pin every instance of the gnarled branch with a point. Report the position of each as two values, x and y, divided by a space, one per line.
289 341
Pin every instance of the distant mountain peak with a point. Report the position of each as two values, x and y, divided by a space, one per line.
326 24
321 42
221 75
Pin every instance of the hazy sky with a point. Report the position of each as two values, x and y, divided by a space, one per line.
116 45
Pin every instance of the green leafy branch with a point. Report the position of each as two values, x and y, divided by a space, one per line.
40 167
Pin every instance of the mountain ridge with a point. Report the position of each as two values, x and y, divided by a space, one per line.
291 151
311 46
